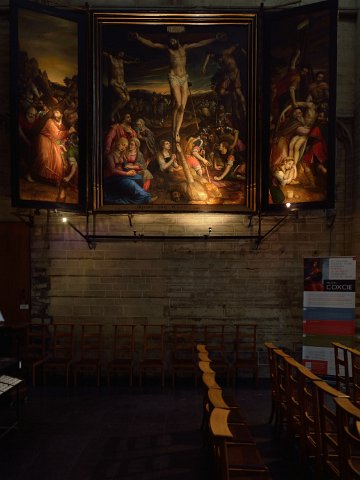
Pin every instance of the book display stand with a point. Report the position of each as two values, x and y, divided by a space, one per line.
9 386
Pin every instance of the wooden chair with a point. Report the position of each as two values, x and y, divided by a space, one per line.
153 351
326 429
310 445
215 399
215 344
348 418
61 351
292 389
280 389
342 371
246 357
183 351
123 351
208 381
272 373
235 458
90 351
35 350
355 375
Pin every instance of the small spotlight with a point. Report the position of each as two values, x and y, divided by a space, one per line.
64 219
288 205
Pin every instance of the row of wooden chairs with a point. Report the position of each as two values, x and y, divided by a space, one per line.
59 355
52 349
226 433
319 419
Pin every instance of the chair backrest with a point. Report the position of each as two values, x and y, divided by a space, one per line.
245 344
215 341
342 362
204 357
91 341
183 342
208 383
201 348
219 423
326 423
280 378
348 417
153 342
205 366
36 340
209 380
270 347
310 440
63 340
355 371
292 389
216 398
124 341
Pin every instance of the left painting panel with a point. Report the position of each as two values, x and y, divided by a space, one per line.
48 130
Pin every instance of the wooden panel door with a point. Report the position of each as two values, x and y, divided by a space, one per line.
15 278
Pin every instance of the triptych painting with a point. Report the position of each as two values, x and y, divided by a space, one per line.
170 111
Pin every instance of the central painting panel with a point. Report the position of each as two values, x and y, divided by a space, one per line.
175 112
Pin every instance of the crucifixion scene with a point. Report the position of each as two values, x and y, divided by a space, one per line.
175 115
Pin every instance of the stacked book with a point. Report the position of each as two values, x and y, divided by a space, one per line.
7 383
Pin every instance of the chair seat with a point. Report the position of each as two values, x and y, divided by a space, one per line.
61 352
235 475
245 457
52 362
189 363
87 362
246 356
121 362
90 351
27 361
183 351
120 365
219 362
122 351
235 416
29 358
153 351
152 363
241 433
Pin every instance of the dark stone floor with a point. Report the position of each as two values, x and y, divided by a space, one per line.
118 433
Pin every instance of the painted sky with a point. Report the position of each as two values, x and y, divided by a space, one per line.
152 67
52 41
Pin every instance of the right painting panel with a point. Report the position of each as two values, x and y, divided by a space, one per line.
299 89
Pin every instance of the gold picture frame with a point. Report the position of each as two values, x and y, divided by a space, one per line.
175 104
